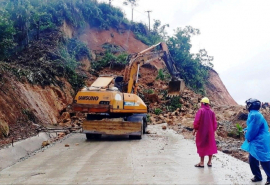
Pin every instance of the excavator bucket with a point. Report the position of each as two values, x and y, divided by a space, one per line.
176 87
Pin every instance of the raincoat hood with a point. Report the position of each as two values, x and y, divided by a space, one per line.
207 106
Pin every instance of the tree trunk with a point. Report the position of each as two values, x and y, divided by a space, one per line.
38 29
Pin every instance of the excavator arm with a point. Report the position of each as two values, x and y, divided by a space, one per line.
176 85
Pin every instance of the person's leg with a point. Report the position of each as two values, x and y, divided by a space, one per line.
210 160
202 161
266 168
255 168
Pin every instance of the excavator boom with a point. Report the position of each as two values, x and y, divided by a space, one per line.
176 85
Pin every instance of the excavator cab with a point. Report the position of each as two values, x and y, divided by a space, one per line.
176 86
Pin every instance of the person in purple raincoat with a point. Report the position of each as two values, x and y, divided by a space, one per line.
205 125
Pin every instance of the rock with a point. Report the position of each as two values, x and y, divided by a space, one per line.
187 122
45 143
66 124
159 122
152 119
4 129
61 134
229 113
226 151
64 116
77 144
66 120
169 121
148 132
74 117
164 127
161 117
241 116
66 145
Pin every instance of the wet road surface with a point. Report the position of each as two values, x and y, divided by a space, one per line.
162 158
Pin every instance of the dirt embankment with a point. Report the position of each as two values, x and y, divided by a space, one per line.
23 106
216 90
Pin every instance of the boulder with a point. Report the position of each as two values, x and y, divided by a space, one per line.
64 116
45 143
169 121
4 129
65 124
187 122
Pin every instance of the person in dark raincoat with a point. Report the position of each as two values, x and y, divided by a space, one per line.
205 125
257 141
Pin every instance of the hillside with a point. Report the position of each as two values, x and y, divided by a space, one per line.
35 104
39 78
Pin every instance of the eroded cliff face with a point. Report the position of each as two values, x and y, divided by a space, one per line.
217 92
23 105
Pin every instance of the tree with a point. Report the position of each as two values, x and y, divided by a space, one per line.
133 3
193 68
159 29
7 32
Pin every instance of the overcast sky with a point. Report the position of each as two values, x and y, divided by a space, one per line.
235 32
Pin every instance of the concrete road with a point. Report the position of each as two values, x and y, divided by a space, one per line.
162 158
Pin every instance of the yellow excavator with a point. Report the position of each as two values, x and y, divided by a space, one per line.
111 103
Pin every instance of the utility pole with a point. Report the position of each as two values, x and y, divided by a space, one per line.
149 17
132 12
110 2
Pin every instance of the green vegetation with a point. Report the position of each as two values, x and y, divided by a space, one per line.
149 91
148 120
157 111
174 104
239 130
109 59
161 75
158 34
193 68
23 22
164 76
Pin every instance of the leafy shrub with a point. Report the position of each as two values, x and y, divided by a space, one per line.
161 75
174 104
149 91
148 118
110 59
157 111
239 130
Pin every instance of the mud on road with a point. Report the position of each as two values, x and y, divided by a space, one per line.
161 157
